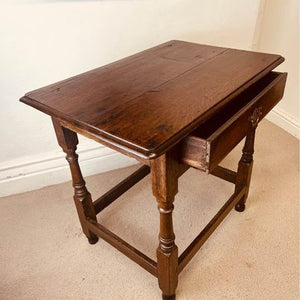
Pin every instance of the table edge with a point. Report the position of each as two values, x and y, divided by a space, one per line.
136 150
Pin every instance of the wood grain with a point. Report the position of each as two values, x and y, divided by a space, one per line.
171 107
83 201
208 145
149 101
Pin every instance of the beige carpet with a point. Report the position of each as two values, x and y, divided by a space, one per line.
252 255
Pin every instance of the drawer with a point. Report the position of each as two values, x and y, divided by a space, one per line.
217 136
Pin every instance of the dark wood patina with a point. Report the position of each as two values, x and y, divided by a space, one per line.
174 106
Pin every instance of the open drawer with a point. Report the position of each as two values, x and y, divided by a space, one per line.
216 137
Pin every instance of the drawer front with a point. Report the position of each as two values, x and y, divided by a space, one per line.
207 153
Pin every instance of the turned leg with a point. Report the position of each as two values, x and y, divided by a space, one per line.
164 189
245 169
68 140
167 252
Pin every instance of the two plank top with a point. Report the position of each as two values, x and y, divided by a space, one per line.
149 101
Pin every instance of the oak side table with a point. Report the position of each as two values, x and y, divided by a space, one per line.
175 106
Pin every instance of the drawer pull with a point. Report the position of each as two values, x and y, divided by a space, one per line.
255 117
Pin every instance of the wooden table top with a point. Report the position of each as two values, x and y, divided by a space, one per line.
149 101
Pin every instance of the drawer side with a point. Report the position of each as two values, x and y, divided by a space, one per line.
195 152
213 140
224 139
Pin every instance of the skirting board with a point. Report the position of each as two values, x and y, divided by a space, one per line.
27 174
285 121
38 171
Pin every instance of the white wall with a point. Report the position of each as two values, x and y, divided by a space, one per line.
279 33
46 41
